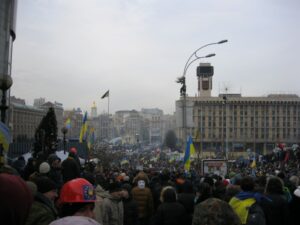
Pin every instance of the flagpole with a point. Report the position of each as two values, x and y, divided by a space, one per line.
108 105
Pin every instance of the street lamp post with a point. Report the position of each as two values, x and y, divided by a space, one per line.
183 91
5 84
64 130
226 129
181 80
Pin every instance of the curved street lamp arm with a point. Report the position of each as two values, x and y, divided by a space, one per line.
197 57
195 53
188 65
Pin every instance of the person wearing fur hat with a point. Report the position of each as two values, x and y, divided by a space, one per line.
43 210
143 196
214 211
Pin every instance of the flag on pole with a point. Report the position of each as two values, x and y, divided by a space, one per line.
83 129
106 94
91 139
5 136
68 123
190 150
253 164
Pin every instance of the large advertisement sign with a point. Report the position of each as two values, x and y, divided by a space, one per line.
214 166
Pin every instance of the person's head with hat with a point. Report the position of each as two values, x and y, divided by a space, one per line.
47 187
77 198
115 189
44 168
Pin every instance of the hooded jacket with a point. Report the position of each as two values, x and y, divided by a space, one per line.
42 211
108 209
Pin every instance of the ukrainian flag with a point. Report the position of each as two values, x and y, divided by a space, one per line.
83 128
5 137
190 150
91 139
253 164
68 123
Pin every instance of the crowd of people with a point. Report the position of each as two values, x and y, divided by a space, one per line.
51 191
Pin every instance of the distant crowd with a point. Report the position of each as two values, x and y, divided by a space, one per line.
50 191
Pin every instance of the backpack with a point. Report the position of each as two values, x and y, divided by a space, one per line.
256 215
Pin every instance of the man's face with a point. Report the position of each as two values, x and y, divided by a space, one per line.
124 194
56 163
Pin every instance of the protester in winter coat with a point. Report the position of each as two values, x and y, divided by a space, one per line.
70 168
143 196
295 207
187 199
170 212
43 171
275 207
19 165
203 192
43 211
131 213
112 206
29 168
215 212
55 170
246 203
101 194
15 200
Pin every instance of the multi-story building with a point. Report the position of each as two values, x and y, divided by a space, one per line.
24 119
237 123
155 119
103 127
230 122
39 102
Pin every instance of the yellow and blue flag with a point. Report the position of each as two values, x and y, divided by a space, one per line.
91 139
68 123
253 164
5 136
83 129
190 150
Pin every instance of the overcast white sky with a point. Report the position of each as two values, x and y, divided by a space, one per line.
72 51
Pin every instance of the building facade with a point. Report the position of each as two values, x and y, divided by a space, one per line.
24 120
231 123
155 118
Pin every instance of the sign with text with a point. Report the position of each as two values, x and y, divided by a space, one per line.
214 166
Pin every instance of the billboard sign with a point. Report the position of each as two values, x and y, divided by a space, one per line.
214 166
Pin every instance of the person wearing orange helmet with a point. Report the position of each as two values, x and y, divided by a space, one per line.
77 199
